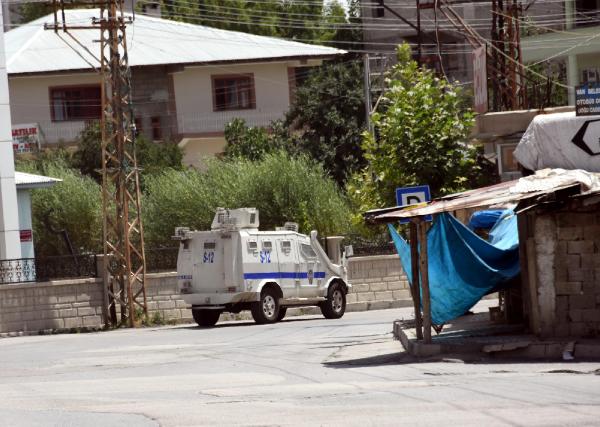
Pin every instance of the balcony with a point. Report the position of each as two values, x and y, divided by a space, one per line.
192 123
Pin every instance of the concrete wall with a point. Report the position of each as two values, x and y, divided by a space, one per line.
378 283
563 283
194 96
30 103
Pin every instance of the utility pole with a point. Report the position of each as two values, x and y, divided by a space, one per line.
123 233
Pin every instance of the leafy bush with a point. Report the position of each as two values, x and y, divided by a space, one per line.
74 205
253 143
281 187
152 157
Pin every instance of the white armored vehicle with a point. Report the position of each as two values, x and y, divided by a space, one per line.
235 267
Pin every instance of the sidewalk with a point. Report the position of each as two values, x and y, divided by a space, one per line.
476 334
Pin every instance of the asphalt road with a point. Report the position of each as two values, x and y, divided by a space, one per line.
302 371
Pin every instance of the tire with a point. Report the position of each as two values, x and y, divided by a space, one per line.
206 318
281 315
335 306
267 309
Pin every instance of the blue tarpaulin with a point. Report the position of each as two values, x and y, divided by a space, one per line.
486 218
462 266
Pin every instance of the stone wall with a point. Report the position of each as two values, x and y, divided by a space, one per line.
64 305
564 271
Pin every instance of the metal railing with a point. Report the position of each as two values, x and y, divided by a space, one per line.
48 268
161 259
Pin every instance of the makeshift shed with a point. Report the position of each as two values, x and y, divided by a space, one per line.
557 292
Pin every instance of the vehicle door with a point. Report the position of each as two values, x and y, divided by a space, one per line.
309 274
288 258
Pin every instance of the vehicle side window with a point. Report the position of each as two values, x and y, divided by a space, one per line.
307 251
286 246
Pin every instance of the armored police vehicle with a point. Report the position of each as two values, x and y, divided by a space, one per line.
236 267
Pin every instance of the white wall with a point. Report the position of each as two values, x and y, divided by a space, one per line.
194 98
31 103
10 247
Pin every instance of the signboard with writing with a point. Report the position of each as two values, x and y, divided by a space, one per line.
406 196
26 138
480 90
587 100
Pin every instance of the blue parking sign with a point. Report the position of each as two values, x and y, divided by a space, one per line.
407 196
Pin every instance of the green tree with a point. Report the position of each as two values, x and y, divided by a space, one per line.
311 22
152 157
328 118
252 143
32 11
73 205
421 133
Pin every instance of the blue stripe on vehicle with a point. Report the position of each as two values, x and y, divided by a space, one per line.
283 275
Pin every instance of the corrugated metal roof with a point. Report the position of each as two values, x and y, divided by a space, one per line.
543 182
151 41
27 180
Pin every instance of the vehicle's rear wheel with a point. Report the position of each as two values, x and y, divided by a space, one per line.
282 312
206 318
267 309
335 306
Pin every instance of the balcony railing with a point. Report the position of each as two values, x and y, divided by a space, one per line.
215 122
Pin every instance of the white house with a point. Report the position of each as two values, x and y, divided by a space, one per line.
188 80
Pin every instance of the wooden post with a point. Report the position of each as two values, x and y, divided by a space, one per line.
415 288
424 270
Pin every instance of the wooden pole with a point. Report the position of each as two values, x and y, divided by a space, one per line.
415 288
424 270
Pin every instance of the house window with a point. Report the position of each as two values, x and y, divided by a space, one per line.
234 92
75 103
508 162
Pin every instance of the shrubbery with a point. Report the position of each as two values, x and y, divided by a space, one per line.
281 187
74 205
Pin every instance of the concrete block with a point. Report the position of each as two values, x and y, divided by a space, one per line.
580 247
69 312
379 305
393 286
92 321
578 329
570 233
357 306
575 315
360 288
62 299
383 296
365 296
401 294
86 311
562 303
580 275
401 303
568 288
163 305
568 261
581 302
377 287
590 315
73 322
180 303
351 298
562 330
84 297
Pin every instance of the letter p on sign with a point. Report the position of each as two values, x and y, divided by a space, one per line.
407 196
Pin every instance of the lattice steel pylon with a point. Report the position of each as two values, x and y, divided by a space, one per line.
123 233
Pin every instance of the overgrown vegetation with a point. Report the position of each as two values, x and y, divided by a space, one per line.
282 187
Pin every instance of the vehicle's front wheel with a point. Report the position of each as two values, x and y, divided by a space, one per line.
206 318
335 306
267 309
282 312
